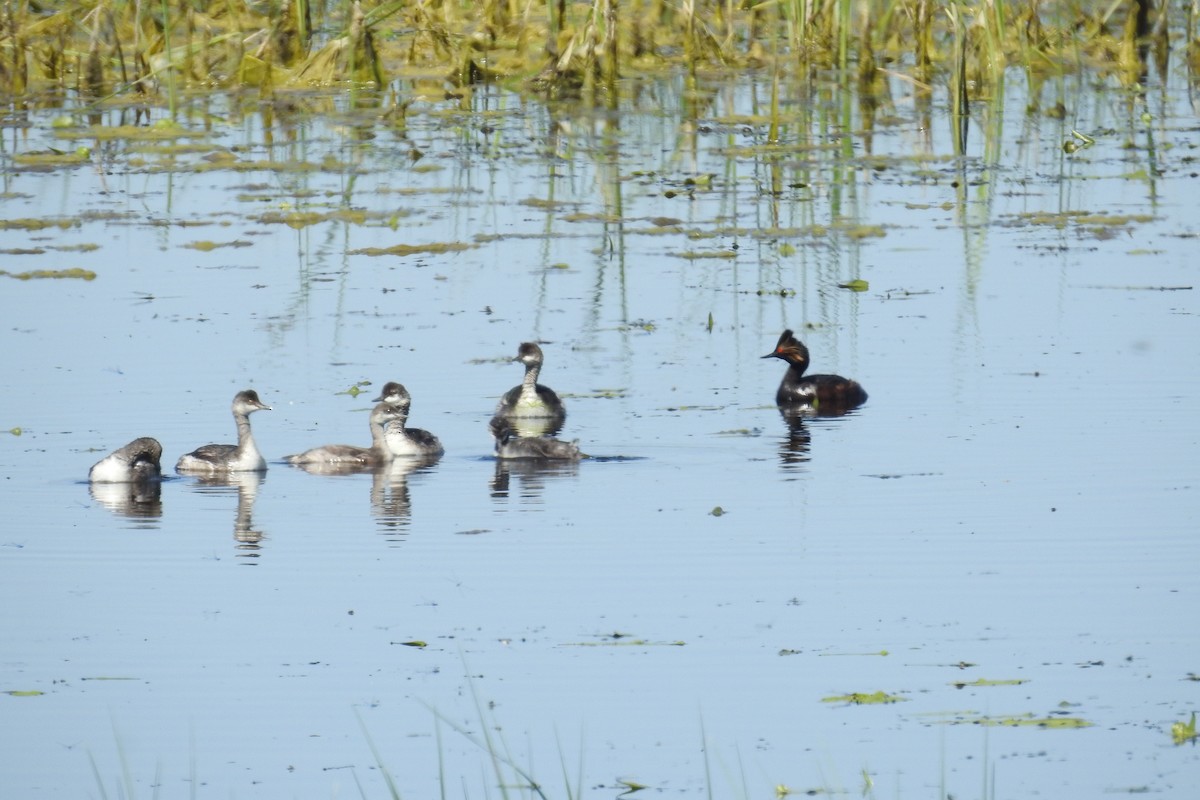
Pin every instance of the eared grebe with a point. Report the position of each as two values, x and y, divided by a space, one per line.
240 457
377 453
510 445
137 462
829 393
402 440
531 400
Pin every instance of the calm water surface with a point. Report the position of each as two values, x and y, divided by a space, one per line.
1016 503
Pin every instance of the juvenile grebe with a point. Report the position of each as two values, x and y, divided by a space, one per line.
137 462
240 457
377 453
531 400
402 440
509 445
822 392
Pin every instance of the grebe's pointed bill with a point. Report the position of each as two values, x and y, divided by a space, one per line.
786 344
393 393
249 397
529 352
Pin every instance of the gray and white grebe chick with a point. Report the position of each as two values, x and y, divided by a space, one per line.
402 440
825 393
531 400
511 446
241 457
350 455
140 461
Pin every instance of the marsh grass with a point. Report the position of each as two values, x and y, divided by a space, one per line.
112 51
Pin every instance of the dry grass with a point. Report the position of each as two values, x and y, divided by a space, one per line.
110 49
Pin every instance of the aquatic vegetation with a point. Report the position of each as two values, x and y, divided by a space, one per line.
625 641
37 224
53 158
206 246
1026 720
988 682
1183 732
412 249
73 272
864 698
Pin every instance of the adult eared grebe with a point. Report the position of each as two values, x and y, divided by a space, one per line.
137 462
509 445
348 454
402 440
825 393
241 457
531 400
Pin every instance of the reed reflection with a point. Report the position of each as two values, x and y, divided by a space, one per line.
248 539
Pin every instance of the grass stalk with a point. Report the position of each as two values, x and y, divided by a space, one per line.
393 791
172 96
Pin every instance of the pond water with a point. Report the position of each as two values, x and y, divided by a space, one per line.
1003 540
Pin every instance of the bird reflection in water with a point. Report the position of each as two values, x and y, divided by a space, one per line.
391 503
128 481
248 539
531 474
795 448
136 500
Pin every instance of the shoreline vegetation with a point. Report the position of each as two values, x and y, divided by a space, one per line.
115 52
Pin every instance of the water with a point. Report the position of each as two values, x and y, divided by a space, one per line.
1016 501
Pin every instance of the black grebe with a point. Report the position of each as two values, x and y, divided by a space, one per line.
510 445
402 440
531 400
822 392
240 457
137 462
348 454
